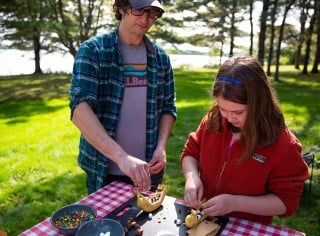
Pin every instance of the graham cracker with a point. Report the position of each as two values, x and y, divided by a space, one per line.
205 228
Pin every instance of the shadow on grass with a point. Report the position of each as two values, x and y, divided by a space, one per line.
27 95
34 87
26 203
20 111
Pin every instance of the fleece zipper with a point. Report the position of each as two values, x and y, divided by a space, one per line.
223 168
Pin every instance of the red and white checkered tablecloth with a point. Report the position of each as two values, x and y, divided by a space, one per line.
108 198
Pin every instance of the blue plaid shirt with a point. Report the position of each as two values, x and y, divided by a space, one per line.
98 79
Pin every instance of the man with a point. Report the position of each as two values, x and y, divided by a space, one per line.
123 100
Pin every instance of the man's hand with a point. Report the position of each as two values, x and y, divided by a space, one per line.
137 170
158 161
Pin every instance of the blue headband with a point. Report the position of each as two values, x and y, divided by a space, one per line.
235 81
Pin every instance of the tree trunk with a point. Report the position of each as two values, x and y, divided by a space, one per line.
315 69
221 53
308 44
273 19
287 8
303 19
263 28
251 28
233 28
37 49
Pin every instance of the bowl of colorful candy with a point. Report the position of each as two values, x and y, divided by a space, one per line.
68 219
101 227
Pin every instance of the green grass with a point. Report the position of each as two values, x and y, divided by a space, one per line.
39 144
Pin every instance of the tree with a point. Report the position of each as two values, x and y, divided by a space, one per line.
53 25
309 40
303 18
74 21
287 4
263 28
25 23
272 35
316 61
219 20
251 26
165 29
232 27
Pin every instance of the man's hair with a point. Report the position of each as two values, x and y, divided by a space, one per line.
120 4
264 119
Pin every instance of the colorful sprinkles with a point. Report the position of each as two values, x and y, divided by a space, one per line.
73 219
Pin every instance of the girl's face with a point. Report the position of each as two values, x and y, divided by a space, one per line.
235 113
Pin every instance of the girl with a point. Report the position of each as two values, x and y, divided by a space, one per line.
243 161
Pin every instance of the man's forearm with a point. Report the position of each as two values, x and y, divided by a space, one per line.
165 127
92 129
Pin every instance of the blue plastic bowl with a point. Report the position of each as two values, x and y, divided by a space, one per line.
60 216
96 227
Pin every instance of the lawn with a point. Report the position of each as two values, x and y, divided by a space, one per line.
39 144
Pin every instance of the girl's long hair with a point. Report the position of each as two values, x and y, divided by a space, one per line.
264 119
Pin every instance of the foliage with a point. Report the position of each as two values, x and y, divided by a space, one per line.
165 29
64 24
61 24
39 145
76 21
24 20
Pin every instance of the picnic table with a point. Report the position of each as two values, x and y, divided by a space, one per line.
109 198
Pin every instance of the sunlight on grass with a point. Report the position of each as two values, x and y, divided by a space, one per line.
35 152
295 116
185 104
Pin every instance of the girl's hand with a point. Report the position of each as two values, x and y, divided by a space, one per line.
219 205
193 191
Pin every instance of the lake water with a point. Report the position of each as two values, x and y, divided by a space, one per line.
15 62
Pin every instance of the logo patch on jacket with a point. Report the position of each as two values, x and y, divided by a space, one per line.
259 158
